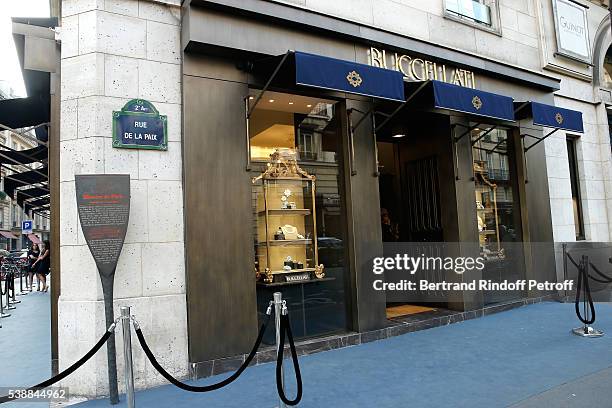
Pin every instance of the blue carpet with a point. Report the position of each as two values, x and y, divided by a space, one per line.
25 344
489 362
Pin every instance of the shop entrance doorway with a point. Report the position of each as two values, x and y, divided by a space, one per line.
415 183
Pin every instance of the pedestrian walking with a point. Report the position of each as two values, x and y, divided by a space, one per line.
42 265
33 254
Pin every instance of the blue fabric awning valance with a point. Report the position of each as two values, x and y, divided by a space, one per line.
347 76
551 116
472 101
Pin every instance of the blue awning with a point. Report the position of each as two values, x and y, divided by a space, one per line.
551 116
472 101
347 76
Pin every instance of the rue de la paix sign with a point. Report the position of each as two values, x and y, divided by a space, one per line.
419 69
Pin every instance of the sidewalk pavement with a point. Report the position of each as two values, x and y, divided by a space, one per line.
524 357
25 344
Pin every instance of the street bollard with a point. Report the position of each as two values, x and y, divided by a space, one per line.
127 356
278 307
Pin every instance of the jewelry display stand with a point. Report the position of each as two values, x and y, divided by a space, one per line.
286 247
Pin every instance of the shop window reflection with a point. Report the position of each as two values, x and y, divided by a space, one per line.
497 208
308 129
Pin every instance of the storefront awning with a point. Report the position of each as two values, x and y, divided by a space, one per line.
36 204
23 112
469 101
317 71
484 107
34 239
33 192
7 234
347 76
38 153
27 178
550 116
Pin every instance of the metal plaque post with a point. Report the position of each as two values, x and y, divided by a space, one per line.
103 204
127 356
278 307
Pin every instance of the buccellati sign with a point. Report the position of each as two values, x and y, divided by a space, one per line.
138 125
572 30
419 69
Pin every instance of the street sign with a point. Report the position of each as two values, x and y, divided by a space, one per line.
26 227
103 205
140 126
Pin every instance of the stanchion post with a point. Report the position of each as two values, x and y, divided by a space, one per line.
278 307
7 283
586 330
2 314
21 291
14 301
127 356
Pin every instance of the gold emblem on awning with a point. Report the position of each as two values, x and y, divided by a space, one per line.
559 118
354 78
477 102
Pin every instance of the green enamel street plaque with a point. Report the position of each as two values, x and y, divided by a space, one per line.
140 126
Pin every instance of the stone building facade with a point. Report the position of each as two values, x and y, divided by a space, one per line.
114 51
117 50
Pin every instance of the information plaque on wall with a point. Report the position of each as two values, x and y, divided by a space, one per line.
138 125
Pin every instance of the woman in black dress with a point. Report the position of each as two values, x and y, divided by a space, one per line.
33 255
42 266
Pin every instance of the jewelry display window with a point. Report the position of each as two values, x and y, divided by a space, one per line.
286 244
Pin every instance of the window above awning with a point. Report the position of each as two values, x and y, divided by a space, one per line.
445 96
550 116
317 71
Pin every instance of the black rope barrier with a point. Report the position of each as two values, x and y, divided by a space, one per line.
606 278
286 329
70 369
583 286
571 259
205 388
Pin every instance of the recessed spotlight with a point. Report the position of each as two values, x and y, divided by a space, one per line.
398 136
290 103
309 106
251 98
271 100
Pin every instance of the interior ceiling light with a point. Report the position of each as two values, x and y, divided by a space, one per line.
271 100
398 136
309 106
290 103
251 97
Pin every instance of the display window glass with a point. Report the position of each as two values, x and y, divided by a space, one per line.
298 209
497 207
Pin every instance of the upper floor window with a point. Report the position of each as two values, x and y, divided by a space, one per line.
480 13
